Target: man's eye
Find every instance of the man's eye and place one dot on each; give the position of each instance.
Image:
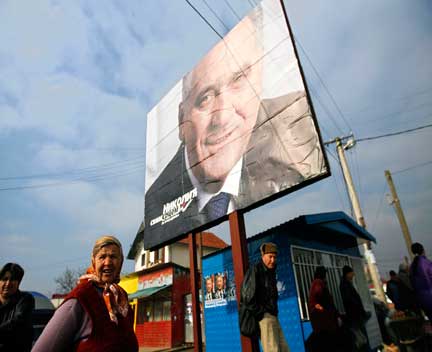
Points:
(205, 100)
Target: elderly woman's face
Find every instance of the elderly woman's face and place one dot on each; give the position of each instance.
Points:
(107, 263)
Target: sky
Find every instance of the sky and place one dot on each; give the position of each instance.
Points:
(77, 80)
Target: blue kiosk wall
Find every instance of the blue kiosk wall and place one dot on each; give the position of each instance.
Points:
(221, 315)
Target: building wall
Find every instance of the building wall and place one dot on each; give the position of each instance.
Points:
(129, 283)
(180, 254)
(154, 334)
(222, 320)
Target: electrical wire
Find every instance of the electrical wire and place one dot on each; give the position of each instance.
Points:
(412, 167)
(94, 178)
(216, 15)
(393, 133)
(232, 10)
(77, 172)
(204, 19)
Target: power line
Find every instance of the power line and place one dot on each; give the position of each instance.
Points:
(412, 167)
(393, 133)
(215, 14)
(94, 178)
(232, 10)
(204, 19)
(323, 84)
(77, 172)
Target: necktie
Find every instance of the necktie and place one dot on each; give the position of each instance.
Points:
(217, 206)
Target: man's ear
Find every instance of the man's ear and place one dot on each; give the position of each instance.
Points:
(181, 121)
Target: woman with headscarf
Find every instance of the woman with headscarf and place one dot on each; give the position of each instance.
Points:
(96, 315)
(421, 279)
(327, 335)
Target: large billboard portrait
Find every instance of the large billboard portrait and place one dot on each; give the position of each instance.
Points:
(236, 131)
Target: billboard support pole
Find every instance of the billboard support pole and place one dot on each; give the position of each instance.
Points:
(196, 309)
(240, 263)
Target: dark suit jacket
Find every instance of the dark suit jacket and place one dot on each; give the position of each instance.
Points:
(283, 151)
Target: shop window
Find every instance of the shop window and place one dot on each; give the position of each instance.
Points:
(305, 262)
(144, 311)
(166, 311)
(153, 310)
(158, 310)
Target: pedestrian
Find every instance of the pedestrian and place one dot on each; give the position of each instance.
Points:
(421, 279)
(408, 301)
(260, 296)
(327, 333)
(16, 308)
(96, 315)
(393, 289)
(355, 314)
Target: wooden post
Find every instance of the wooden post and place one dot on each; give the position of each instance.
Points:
(240, 264)
(196, 308)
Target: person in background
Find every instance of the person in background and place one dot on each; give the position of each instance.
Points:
(393, 289)
(327, 335)
(16, 308)
(355, 314)
(96, 315)
(260, 282)
(421, 279)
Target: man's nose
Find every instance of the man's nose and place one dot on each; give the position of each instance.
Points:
(223, 108)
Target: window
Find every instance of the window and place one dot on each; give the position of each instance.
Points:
(150, 310)
(166, 310)
(305, 262)
(143, 257)
(145, 311)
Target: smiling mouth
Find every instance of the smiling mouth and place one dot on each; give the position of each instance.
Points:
(218, 139)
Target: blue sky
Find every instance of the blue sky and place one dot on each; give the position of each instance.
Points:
(77, 80)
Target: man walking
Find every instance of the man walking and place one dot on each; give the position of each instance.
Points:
(260, 283)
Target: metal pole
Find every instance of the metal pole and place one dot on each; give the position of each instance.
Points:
(196, 309)
(399, 213)
(240, 263)
(369, 256)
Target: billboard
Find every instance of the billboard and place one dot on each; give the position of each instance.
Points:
(237, 131)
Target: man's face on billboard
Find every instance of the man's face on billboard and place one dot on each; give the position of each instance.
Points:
(220, 105)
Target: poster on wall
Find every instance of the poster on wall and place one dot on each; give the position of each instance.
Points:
(219, 289)
(237, 131)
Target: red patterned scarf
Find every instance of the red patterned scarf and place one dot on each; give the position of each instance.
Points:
(114, 297)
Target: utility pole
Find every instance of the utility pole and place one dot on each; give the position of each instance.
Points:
(369, 256)
(399, 213)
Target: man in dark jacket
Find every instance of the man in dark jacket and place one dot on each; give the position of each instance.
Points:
(392, 292)
(355, 314)
(260, 283)
(16, 307)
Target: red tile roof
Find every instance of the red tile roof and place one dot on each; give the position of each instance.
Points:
(209, 239)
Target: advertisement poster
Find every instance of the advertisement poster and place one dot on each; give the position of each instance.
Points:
(238, 129)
